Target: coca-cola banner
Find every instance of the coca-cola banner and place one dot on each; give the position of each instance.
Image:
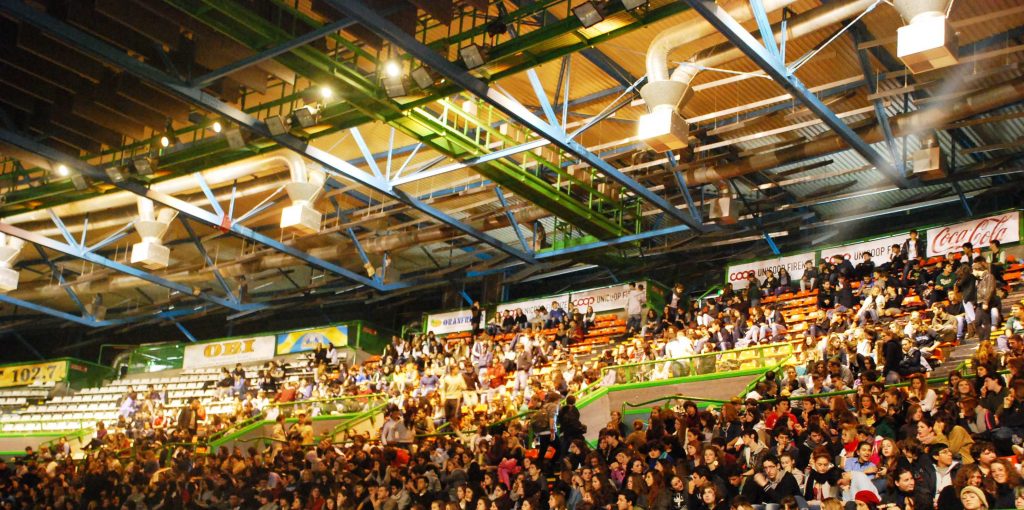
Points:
(737, 275)
(878, 248)
(1004, 227)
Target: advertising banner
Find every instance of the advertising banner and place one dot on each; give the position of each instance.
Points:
(603, 299)
(530, 305)
(29, 373)
(879, 249)
(228, 352)
(306, 340)
(1004, 227)
(453, 322)
(737, 275)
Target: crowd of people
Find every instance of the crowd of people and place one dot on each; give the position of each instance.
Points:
(482, 424)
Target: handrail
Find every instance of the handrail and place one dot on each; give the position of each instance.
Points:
(263, 413)
(709, 291)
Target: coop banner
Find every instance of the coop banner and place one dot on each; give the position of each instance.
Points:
(603, 299)
(228, 352)
(737, 274)
(879, 249)
(307, 339)
(453, 322)
(1003, 227)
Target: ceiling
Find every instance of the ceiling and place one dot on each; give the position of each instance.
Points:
(93, 85)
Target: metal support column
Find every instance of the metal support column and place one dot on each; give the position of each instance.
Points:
(511, 218)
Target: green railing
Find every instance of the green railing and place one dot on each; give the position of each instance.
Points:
(761, 356)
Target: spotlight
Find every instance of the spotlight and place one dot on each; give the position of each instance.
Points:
(305, 116)
(472, 56)
(632, 5)
(115, 174)
(235, 138)
(392, 69)
(422, 78)
(62, 170)
(143, 166)
(165, 141)
(276, 125)
(394, 86)
(217, 127)
(588, 13)
(326, 92)
(80, 182)
(496, 28)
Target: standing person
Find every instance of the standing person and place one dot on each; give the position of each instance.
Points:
(996, 259)
(523, 362)
(188, 418)
(452, 387)
(676, 302)
(986, 296)
(966, 286)
(913, 250)
(635, 300)
(476, 315)
(569, 426)
(809, 280)
(892, 354)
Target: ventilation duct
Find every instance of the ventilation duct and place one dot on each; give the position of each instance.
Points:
(307, 183)
(928, 40)
(151, 226)
(10, 247)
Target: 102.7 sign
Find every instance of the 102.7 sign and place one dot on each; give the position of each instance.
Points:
(23, 375)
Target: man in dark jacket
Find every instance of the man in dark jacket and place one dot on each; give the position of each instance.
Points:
(892, 354)
(771, 484)
(569, 425)
(844, 295)
(941, 473)
(986, 296)
(913, 250)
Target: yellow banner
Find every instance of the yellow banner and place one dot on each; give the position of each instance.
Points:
(306, 340)
(23, 375)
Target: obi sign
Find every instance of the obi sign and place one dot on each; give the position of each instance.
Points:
(1003, 227)
(228, 352)
(453, 322)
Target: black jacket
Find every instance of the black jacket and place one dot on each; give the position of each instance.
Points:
(892, 353)
(769, 494)
(921, 249)
(569, 424)
(844, 296)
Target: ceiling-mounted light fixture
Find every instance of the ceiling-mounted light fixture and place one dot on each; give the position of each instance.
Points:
(144, 166)
(305, 116)
(216, 126)
(326, 92)
(62, 170)
(394, 85)
(422, 77)
(80, 182)
(168, 139)
(588, 13)
(235, 138)
(276, 125)
(632, 5)
(472, 56)
(115, 174)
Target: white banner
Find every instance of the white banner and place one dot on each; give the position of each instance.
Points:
(226, 353)
(879, 249)
(453, 322)
(1004, 227)
(530, 305)
(737, 275)
(603, 299)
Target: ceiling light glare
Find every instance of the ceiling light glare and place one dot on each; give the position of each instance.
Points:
(63, 171)
(217, 127)
(392, 69)
(326, 92)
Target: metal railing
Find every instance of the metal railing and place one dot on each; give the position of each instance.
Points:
(760, 356)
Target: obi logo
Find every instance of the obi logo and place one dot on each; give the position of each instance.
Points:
(229, 348)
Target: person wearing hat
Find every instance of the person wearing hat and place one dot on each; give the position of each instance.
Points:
(972, 498)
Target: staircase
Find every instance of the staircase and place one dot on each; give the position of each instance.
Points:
(966, 349)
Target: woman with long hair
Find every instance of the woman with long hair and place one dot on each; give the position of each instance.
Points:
(1006, 479)
(656, 497)
(919, 392)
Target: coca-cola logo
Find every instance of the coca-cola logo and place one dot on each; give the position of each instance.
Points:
(978, 232)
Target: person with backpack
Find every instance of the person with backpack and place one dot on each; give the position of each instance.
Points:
(569, 426)
(542, 427)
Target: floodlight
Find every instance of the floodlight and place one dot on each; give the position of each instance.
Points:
(276, 125)
(422, 78)
(588, 14)
(472, 56)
